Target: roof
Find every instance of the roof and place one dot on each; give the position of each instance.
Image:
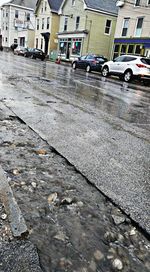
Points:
(23, 3)
(54, 5)
(102, 5)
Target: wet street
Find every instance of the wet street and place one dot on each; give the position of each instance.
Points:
(75, 148)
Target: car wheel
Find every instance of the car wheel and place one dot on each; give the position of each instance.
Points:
(32, 57)
(105, 71)
(88, 68)
(74, 65)
(127, 76)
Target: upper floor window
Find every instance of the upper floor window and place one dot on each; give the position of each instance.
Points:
(37, 24)
(16, 13)
(45, 6)
(65, 24)
(139, 24)
(6, 13)
(108, 27)
(137, 2)
(42, 23)
(148, 2)
(42, 8)
(47, 22)
(77, 22)
(28, 16)
(125, 27)
(73, 2)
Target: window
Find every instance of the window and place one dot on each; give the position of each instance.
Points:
(42, 8)
(45, 6)
(138, 30)
(65, 24)
(73, 2)
(42, 23)
(15, 41)
(129, 59)
(37, 24)
(130, 48)
(6, 39)
(6, 13)
(77, 22)
(76, 46)
(148, 3)
(16, 14)
(137, 3)
(28, 16)
(138, 49)
(47, 22)
(6, 27)
(108, 27)
(116, 50)
(125, 26)
(123, 48)
(36, 43)
(41, 43)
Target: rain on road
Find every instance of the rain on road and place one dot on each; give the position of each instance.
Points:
(101, 126)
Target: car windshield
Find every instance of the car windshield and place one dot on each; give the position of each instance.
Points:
(145, 61)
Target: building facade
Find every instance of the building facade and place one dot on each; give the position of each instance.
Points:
(17, 23)
(132, 34)
(86, 27)
(47, 25)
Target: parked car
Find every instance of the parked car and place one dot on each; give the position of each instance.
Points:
(128, 67)
(89, 62)
(20, 50)
(35, 53)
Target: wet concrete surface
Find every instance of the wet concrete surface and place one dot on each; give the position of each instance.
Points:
(100, 126)
(73, 226)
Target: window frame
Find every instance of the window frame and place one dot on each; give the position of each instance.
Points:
(123, 24)
(16, 13)
(108, 27)
(38, 24)
(65, 23)
(43, 22)
(138, 18)
(77, 23)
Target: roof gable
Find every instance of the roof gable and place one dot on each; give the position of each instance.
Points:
(24, 3)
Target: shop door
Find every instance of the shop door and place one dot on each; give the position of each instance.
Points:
(68, 50)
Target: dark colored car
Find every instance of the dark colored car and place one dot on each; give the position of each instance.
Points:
(35, 53)
(89, 63)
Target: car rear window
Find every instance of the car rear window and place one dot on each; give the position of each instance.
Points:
(145, 61)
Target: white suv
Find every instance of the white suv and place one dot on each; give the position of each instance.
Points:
(128, 67)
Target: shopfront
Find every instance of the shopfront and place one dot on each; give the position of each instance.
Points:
(70, 46)
(140, 46)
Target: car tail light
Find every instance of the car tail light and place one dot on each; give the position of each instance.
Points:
(141, 65)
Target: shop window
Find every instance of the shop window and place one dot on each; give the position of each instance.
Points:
(76, 47)
(125, 27)
(77, 22)
(62, 47)
(108, 27)
(138, 49)
(123, 48)
(47, 22)
(130, 48)
(116, 51)
(16, 13)
(65, 24)
(139, 24)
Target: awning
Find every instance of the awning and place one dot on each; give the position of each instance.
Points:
(45, 35)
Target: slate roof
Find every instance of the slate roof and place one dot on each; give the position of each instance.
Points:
(24, 3)
(102, 5)
(55, 4)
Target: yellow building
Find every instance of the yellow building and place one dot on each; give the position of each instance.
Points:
(86, 26)
(47, 25)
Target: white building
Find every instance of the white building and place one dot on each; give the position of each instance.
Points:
(18, 23)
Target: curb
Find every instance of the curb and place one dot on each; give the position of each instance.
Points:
(16, 219)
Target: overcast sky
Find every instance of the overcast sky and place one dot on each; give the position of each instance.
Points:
(3, 1)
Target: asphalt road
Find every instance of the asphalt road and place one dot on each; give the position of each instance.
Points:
(100, 125)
